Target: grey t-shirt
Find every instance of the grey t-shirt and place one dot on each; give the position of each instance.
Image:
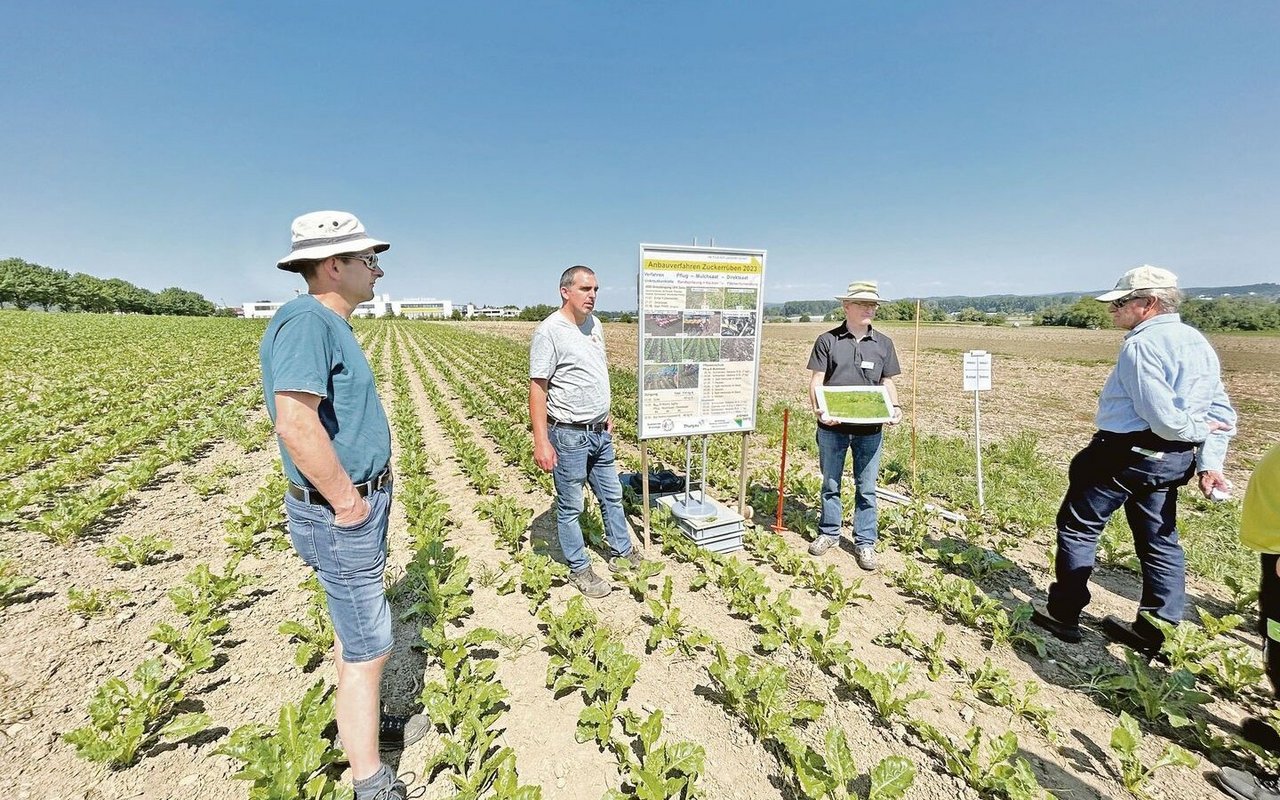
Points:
(572, 360)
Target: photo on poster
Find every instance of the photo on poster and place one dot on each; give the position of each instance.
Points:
(706, 299)
(740, 299)
(700, 348)
(738, 349)
(687, 376)
(663, 348)
(671, 376)
(702, 323)
(737, 323)
(663, 323)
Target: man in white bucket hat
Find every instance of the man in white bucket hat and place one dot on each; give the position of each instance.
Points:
(852, 354)
(1163, 417)
(335, 445)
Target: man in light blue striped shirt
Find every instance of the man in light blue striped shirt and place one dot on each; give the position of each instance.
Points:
(1163, 416)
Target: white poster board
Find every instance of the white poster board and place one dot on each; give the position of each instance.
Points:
(977, 371)
(701, 311)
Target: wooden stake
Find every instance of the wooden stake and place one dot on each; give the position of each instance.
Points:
(915, 380)
(782, 472)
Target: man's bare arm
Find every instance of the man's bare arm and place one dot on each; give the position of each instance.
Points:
(896, 411)
(298, 426)
(544, 455)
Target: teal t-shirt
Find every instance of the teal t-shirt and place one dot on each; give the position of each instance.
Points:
(310, 348)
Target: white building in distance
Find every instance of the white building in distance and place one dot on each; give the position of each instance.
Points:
(413, 308)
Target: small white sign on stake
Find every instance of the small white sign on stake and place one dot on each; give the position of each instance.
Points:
(977, 371)
(977, 378)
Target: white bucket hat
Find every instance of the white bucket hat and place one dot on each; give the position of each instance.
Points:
(1138, 278)
(862, 292)
(321, 234)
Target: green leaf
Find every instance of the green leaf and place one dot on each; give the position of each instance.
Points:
(1124, 739)
(891, 778)
(184, 725)
(808, 709)
(839, 760)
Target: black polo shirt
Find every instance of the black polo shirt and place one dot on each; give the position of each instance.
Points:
(846, 360)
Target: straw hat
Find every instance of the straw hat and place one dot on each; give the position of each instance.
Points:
(321, 234)
(862, 292)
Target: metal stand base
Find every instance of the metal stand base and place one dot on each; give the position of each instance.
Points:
(721, 531)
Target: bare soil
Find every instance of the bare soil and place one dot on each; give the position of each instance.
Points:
(1046, 379)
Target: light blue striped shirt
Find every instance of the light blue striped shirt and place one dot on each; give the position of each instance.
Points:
(1168, 379)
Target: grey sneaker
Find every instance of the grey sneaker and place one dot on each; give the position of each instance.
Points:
(822, 544)
(589, 583)
(391, 787)
(865, 555)
(396, 732)
(630, 561)
(395, 791)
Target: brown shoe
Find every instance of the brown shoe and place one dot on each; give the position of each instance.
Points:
(630, 561)
(589, 583)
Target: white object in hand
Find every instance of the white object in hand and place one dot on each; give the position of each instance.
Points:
(1220, 493)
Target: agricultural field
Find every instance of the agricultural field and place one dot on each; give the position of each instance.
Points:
(162, 641)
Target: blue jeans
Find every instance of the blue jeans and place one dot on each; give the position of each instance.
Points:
(349, 561)
(1109, 474)
(586, 457)
(832, 447)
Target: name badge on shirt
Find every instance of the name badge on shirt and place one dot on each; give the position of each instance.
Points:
(868, 365)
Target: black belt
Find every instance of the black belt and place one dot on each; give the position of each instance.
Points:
(592, 427)
(363, 489)
(1145, 438)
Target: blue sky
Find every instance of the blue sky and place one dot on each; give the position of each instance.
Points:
(942, 148)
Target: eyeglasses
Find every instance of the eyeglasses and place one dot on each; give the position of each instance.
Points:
(1116, 305)
(370, 261)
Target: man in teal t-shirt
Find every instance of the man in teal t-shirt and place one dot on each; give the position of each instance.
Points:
(336, 447)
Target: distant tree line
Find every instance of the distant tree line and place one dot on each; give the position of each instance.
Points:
(1233, 314)
(24, 285)
(1211, 314)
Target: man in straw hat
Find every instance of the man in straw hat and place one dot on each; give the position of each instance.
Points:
(1163, 417)
(852, 354)
(335, 445)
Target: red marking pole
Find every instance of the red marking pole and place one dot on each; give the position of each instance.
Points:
(782, 472)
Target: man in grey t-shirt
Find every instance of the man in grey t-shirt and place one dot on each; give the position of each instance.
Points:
(572, 432)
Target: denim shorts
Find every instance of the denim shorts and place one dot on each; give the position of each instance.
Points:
(349, 563)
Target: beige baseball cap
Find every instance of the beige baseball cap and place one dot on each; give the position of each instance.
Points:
(1138, 278)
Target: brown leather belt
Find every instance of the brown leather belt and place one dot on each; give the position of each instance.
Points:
(313, 497)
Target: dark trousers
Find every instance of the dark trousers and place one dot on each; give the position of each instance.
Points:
(1269, 617)
(1109, 474)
